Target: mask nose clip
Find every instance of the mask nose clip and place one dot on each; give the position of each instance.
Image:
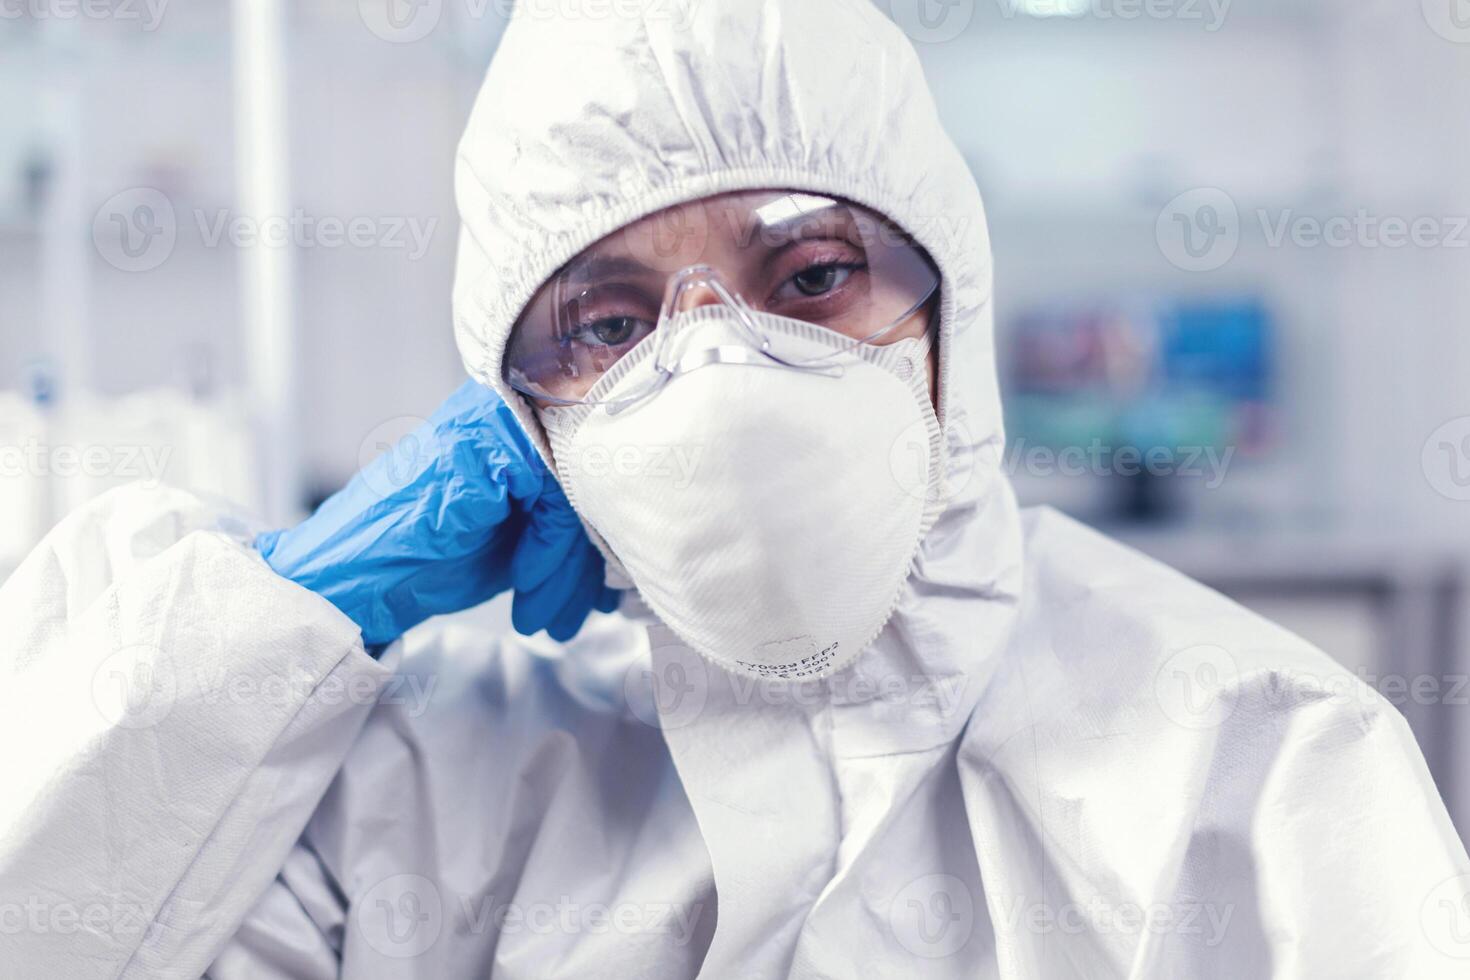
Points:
(757, 351)
(685, 287)
(697, 277)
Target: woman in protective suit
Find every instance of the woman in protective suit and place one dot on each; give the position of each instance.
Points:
(815, 699)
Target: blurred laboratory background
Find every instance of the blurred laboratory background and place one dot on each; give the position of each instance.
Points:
(1231, 250)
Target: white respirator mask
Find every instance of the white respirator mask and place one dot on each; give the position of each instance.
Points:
(768, 514)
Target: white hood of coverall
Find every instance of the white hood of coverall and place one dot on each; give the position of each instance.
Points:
(586, 125)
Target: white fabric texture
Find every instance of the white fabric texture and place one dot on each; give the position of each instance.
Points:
(171, 712)
(1022, 765)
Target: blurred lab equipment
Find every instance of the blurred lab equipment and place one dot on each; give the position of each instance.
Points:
(1150, 388)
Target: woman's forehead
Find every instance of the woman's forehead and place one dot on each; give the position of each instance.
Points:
(708, 228)
(744, 208)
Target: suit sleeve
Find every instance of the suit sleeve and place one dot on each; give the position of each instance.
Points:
(1322, 844)
(171, 712)
(1360, 870)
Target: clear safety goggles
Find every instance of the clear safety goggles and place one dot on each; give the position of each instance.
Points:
(819, 260)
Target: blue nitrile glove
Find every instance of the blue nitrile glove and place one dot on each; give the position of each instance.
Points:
(459, 511)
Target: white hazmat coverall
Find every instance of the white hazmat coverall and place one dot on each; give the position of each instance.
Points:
(1057, 760)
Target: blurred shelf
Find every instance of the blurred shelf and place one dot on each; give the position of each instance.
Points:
(1264, 552)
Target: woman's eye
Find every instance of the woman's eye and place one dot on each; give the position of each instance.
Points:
(818, 280)
(613, 331)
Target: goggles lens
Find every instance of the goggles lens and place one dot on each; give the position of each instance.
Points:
(820, 260)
